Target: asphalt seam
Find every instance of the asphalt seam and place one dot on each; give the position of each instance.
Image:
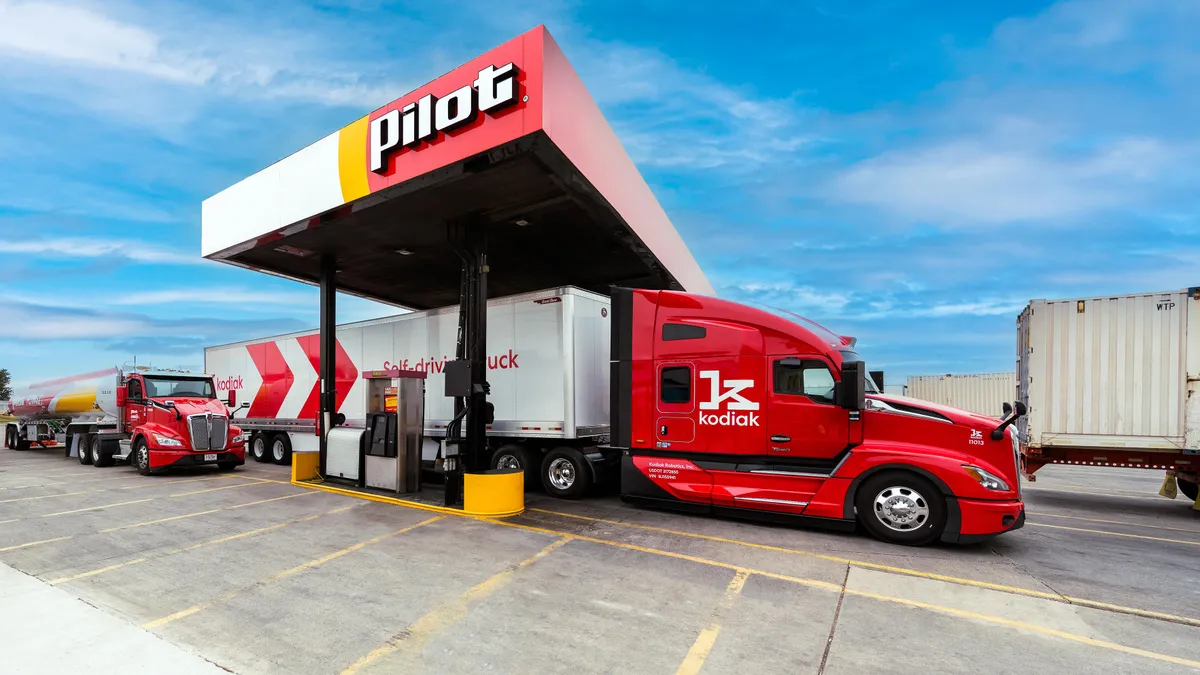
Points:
(837, 613)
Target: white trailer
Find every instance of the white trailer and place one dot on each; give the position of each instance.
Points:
(1112, 381)
(548, 370)
(982, 393)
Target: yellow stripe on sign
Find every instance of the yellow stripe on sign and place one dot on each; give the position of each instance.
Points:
(352, 160)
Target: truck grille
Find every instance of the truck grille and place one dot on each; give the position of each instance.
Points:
(208, 431)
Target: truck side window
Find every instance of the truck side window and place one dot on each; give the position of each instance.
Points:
(676, 385)
(135, 390)
(809, 378)
(681, 331)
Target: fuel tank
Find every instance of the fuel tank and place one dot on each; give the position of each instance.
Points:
(89, 397)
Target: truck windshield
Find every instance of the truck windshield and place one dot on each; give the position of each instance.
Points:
(179, 387)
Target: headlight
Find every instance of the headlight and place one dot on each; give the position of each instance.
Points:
(167, 442)
(987, 479)
(240, 438)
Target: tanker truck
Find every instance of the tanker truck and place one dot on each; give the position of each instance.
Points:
(153, 419)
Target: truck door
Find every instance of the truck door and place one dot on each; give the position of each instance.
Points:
(135, 404)
(802, 419)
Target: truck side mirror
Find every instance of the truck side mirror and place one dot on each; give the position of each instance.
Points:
(122, 396)
(851, 392)
(232, 402)
(1006, 409)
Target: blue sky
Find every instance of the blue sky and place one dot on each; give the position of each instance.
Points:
(911, 173)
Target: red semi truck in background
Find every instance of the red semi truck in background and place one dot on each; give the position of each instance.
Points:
(154, 419)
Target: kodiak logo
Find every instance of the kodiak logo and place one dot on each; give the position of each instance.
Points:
(733, 400)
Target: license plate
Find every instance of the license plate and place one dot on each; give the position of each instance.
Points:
(210, 458)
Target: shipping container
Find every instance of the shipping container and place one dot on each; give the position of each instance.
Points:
(1111, 381)
(984, 393)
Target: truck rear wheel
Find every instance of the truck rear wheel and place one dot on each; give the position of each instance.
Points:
(258, 446)
(565, 473)
(85, 448)
(515, 456)
(901, 508)
(281, 449)
(1188, 488)
(100, 455)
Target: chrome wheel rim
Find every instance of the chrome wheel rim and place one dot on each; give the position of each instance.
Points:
(902, 509)
(95, 451)
(258, 448)
(277, 450)
(144, 457)
(508, 462)
(561, 473)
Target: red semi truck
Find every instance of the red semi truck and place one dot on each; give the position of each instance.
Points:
(154, 419)
(722, 408)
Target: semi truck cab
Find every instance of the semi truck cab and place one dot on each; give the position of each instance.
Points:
(170, 419)
(723, 408)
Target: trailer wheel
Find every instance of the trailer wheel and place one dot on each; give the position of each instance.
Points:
(258, 446)
(281, 449)
(1188, 488)
(515, 456)
(565, 473)
(85, 448)
(10, 433)
(901, 508)
(140, 457)
(100, 456)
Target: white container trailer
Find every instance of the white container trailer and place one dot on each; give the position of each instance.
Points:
(1112, 381)
(548, 356)
(982, 393)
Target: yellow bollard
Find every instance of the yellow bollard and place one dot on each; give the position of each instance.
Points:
(305, 465)
(497, 493)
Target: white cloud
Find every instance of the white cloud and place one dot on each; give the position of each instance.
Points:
(986, 183)
(243, 298)
(86, 247)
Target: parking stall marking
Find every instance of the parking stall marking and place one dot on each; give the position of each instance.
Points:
(94, 508)
(702, 647)
(129, 477)
(414, 638)
(1078, 493)
(1042, 514)
(146, 484)
(34, 543)
(211, 542)
(256, 481)
(1016, 590)
(65, 494)
(157, 623)
(203, 513)
(1115, 534)
(815, 583)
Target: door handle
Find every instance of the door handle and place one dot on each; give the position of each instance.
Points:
(781, 439)
(662, 431)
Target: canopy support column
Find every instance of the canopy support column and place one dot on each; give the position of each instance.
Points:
(327, 401)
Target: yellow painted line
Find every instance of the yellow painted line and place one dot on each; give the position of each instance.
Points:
(1091, 492)
(1111, 522)
(64, 494)
(1016, 590)
(814, 583)
(94, 508)
(702, 647)
(388, 500)
(223, 487)
(211, 542)
(203, 513)
(102, 570)
(1116, 534)
(154, 483)
(414, 638)
(282, 575)
(34, 543)
(2, 522)
(1021, 625)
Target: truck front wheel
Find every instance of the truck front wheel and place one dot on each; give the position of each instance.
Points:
(901, 508)
(281, 449)
(258, 447)
(565, 473)
(1188, 488)
(140, 457)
